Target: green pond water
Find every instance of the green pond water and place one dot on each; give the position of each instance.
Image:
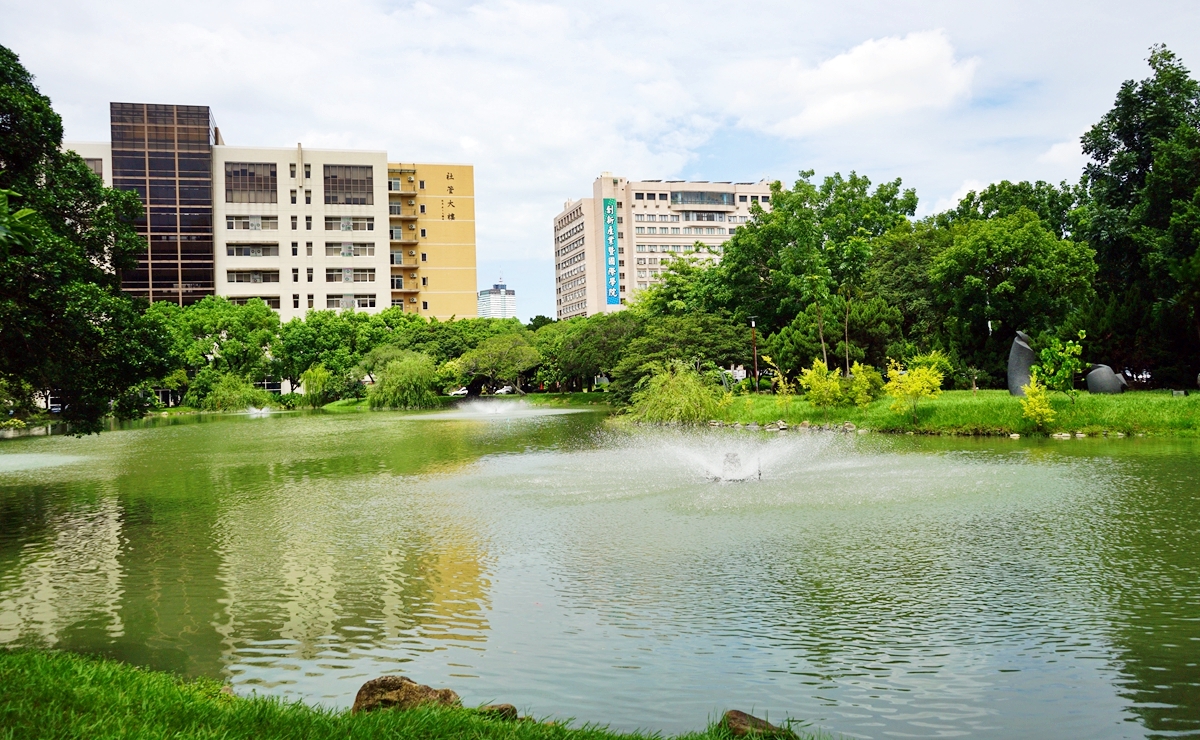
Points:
(873, 586)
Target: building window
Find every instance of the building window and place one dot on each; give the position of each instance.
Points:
(295, 300)
(422, 233)
(422, 208)
(252, 223)
(272, 301)
(397, 302)
(424, 257)
(308, 249)
(293, 223)
(424, 282)
(754, 198)
(310, 299)
(293, 192)
(310, 274)
(397, 282)
(422, 184)
(349, 249)
(639, 217)
(251, 182)
(252, 250)
(349, 223)
(639, 196)
(252, 276)
(424, 305)
(292, 170)
(639, 230)
(350, 275)
(308, 223)
(296, 277)
(348, 185)
(308, 197)
(307, 171)
(295, 249)
(741, 199)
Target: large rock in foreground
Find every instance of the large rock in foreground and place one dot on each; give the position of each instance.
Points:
(399, 692)
(741, 724)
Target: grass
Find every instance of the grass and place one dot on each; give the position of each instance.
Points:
(567, 399)
(52, 695)
(991, 413)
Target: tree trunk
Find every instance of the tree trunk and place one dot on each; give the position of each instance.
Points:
(821, 332)
(846, 326)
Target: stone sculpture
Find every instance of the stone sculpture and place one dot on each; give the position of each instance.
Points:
(1020, 358)
(1102, 379)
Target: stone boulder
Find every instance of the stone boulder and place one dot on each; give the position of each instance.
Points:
(741, 724)
(1021, 357)
(1102, 379)
(400, 692)
(500, 711)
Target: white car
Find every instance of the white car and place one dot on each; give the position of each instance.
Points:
(459, 392)
(505, 390)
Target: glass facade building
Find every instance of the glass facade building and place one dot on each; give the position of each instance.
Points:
(164, 153)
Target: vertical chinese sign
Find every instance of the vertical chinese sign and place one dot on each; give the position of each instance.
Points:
(611, 282)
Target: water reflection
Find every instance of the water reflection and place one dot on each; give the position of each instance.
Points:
(875, 586)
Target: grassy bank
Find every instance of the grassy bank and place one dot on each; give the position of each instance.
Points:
(992, 412)
(60, 695)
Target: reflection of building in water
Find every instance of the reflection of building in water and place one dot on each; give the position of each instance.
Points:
(70, 581)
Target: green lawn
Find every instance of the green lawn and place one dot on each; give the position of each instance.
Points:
(51, 695)
(992, 412)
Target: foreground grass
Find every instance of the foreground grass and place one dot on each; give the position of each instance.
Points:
(991, 412)
(60, 695)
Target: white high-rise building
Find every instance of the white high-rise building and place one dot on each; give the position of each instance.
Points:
(613, 244)
(497, 302)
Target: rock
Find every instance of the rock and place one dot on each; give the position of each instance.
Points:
(399, 692)
(1080, 435)
(863, 431)
(1102, 379)
(1120, 435)
(782, 425)
(772, 427)
(227, 690)
(741, 724)
(805, 424)
(500, 711)
(1014, 435)
(1020, 358)
(714, 423)
(1061, 435)
(753, 426)
(848, 427)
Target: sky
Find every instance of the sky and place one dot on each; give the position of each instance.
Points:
(541, 97)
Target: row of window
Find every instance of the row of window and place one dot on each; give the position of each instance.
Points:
(570, 247)
(575, 295)
(332, 249)
(257, 182)
(697, 230)
(659, 217)
(569, 233)
(577, 212)
(571, 261)
(701, 197)
(332, 275)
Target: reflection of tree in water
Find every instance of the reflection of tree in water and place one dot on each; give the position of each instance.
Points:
(1153, 554)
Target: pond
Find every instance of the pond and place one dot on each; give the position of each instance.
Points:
(874, 586)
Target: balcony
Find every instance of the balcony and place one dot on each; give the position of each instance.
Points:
(402, 187)
(402, 259)
(400, 210)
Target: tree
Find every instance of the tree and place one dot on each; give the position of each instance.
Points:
(220, 334)
(909, 387)
(1053, 205)
(707, 341)
(899, 276)
(405, 382)
(537, 322)
(1003, 275)
(65, 326)
(674, 393)
(822, 388)
(595, 345)
(502, 358)
(318, 385)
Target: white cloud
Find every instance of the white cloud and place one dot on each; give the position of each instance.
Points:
(951, 201)
(1067, 154)
(878, 78)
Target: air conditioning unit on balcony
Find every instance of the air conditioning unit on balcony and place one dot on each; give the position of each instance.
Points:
(412, 253)
(411, 202)
(412, 227)
(412, 299)
(410, 178)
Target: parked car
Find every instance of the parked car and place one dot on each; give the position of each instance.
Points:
(505, 390)
(459, 392)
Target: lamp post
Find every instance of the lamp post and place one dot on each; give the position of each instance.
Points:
(754, 348)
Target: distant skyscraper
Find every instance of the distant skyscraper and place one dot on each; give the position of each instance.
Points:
(498, 302)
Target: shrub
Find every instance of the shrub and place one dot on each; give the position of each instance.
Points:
(1036, 403)
(318, 386)
(865, 386)
(908, 387)
(822, 386)
(405, 382)
(234, 393)
(674, 393)
(136, 402)
(1060, 364)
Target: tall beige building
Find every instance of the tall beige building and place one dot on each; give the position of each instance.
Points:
(615, 243)
(432, 211)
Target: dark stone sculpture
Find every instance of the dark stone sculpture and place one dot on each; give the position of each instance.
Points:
(1102, 379)
(1020, 358)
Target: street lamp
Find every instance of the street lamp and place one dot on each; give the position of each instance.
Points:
(754, 348)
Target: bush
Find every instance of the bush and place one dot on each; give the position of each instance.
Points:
(136, 402)
(674, 393)
(235, 393)
(405, 382)
(865, 386)
(908, 387)
(200, 386)
(1035, 405)
(290, 400)
(822, 387)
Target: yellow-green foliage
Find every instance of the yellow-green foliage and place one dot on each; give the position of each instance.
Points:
(318, 385)
(674, 393)
(1036, 403)
(866, 385)
(406, 382)
(784, 388)
(908, 387)
(821, 385)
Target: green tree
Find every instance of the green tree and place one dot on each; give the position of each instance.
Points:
(217, 333)
(707, 341)
(232, 392)
(65, 326)
(899, 275)
(1003, 275)
(501, 359)
(909, 387)
(595, 345)
(822, 387)
(1035, 404)
(1053, 205)
(537, 322)
(319, 385)
(674, 393)
(1060, 364)
(407, 381)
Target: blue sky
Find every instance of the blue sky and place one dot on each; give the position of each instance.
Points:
(542, 96)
